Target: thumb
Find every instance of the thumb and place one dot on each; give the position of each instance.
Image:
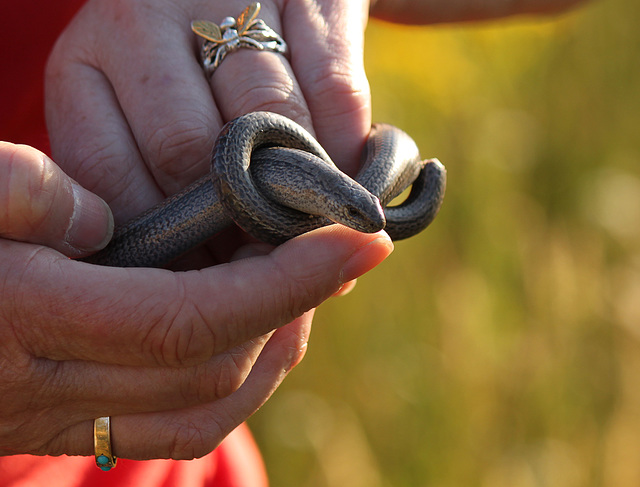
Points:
(42, 205)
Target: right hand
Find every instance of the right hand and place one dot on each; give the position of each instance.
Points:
(177, 359)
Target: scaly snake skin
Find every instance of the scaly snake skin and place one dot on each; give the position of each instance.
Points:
(273, 179)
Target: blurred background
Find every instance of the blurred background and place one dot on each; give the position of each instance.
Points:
(501, 346)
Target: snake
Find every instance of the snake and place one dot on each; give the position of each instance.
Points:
(271, 177)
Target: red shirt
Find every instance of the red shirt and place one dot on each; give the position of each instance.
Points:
(28, 30)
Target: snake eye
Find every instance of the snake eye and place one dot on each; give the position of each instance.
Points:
(354, 213)
(365, 219)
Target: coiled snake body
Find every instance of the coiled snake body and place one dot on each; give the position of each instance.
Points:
(272, 178)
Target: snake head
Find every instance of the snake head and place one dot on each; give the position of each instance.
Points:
(301, 181)
(357, 208)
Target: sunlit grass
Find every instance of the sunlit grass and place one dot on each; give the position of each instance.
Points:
(500, 347)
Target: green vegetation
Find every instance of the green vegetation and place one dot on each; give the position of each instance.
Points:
(502, 346)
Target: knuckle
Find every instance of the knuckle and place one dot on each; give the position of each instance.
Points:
(232, 372)
(274, 94)
(108, 174)
(175, 344)
(179, 337)
(186, 138)
(100, 170)
(193, 441)
(219, 379)
(30, 192)
(336, 89)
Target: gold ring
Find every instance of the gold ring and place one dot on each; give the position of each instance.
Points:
(105, 459)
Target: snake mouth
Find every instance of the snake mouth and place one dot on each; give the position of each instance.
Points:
(367, 218)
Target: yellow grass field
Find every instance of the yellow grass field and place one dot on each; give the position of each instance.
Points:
(501, 347)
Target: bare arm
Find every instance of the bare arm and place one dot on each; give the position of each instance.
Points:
(436, 11)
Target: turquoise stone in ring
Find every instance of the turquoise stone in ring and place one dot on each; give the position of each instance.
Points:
(103, 460)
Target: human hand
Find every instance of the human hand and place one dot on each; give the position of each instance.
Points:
(177, 359)
(133, 117)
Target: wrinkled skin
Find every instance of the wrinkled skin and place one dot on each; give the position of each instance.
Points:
(178, 359)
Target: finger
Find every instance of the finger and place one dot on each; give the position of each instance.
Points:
(166, 434)
(248, 80)
(40, 204)
(91, 138)
(161, 96)
(327, 58)
(165, 97)
(204, 428)
(157, 317)
(194, 432)
(93, 388)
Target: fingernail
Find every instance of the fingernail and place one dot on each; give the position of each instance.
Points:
(91, 225)
(366, 258)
